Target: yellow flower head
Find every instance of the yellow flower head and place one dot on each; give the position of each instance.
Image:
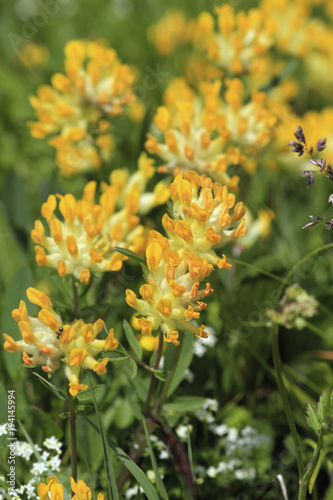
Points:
(83, 240)
(46, 341)
(168, 32)
(53, 490)
(208, 133)
(171, 298)
(205, 217)
(75, 109)
(33, 55)
(242, 38)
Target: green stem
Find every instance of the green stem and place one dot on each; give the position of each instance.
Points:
(284, 397)
(72, 421)
(75, 303)
(153, 379)
(124, 472)
(304, 481)
(169, 379)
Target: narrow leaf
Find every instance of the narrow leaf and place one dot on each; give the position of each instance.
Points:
(131, 255)
(112, 485)
(133, 368)
(59, 393)
(136, 472)
(132, 340)
(159, 483)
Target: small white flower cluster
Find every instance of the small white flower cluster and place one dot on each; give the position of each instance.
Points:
(49, 464)
(161, 447)
(232, 466)
(206, 413)
(201, 347)
(240, 448)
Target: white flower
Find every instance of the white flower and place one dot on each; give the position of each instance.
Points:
(219, 430)
(164, 455)
(182, 432)
(189, 376)
(52, 443)
(212, 471)
(211, 405)
(54, 463)
(39, 468)
(131, 492)
(3, 429)
(23, 450)
(199, 348)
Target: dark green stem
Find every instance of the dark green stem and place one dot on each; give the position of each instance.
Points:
(284, 397)
(304, 481)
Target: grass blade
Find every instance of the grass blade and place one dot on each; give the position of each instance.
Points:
(159, 483)
(136, 472)
(112, 485)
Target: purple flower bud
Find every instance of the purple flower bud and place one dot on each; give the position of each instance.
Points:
(321, 144)
(299, 134)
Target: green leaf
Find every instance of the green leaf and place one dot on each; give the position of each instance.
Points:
(112, 485)
(159, 483)
(132, 340)
(133, 368)
(315, 473)
(320, 418)
(131, 255)
(184, 360)
(185, 404)
(58, 392)
(160, 374)
(114, 356)
(86, 394)
(312, 418)
(136, 472)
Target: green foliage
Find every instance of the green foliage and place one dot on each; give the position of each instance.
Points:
(320, 417)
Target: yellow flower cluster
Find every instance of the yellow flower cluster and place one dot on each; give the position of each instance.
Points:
(74, 111)
(171, 298)
(53, 490)
(208, 133)
(201, 220)
(48, 342)
(241, 42)
(84, 241)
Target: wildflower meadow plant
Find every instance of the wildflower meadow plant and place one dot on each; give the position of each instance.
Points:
(178, 322)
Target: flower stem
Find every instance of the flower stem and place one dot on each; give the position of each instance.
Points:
(304, 481)
(75, 303)
(169, 379)
(72, 421)
(285, 400)
(135, 456)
